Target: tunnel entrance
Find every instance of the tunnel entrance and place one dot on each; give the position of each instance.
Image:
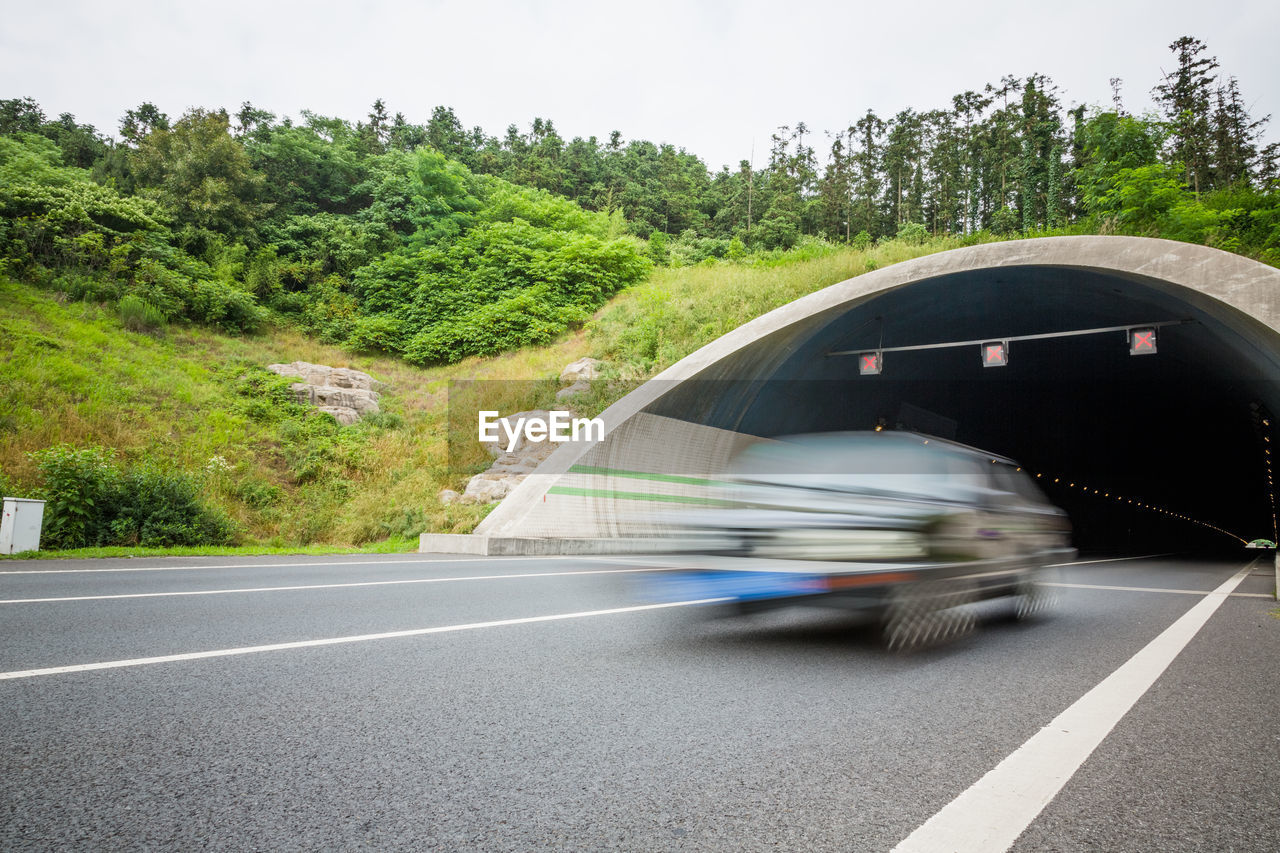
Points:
(1186, 430)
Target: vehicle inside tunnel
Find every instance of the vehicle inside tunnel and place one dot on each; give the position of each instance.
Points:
(1164, 450)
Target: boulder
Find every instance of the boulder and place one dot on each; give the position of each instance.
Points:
(583, 368)
(339, 391)
(341, 414)
(573, 390)
(482, 490)
(349, 398)
(509, 468)
(449, 496)
(499, 445)
(323, 375)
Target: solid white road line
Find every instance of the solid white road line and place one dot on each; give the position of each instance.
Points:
(990, 815)
(1111, 560)
(1140, 589)
(600, 558)
(315, 586)
(334, 641)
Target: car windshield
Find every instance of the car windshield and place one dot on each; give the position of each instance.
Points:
(861, 463)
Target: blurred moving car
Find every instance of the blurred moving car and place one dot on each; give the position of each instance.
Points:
(908, 526)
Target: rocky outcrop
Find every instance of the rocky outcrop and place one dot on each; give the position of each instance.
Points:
(342, 392)
(583, 368)
(510, 467)
(579, 374)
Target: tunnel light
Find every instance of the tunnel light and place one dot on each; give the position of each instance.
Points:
(870, 363)
(995, 353)
(1142, 341)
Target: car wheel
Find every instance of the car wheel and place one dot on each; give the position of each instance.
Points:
(1033, 597)
(924, 614)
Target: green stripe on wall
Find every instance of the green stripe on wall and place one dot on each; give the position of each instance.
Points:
(632, 496)
(644, 475)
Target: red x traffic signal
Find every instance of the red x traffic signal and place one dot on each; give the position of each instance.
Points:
(1142, 341)
(870, 363)
(995, 354)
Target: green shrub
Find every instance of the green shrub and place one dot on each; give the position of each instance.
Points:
(92, 502)
(912, 233)
(263, 396)
(1005, 221)
(381, 332)
(310, 447)
(258, 493)
(778, 231)
(406, 522)
(80, 487)
(158, 508)
(138, 315)
(383, 420)
(658, 249)
(528, 318)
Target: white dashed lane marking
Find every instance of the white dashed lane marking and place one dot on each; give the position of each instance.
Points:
(315, 586)
(419, 561)
(334, 641)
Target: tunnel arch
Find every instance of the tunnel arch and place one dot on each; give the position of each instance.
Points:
(1179, 428)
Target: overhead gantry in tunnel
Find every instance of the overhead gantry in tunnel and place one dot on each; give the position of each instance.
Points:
(1165, 449)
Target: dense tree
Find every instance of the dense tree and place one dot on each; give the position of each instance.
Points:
(1185, 97)
(20, 115)
(139, 123)
(80, 144)
(1235, 135)
(444, 132)
(202, 176)
(305, 172)
(904, 147)
(867, 166)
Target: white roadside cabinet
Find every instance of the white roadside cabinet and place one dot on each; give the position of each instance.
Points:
(20, 525)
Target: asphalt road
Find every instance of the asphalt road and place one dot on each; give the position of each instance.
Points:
(633, 729)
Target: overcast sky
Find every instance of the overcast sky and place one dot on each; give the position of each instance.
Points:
(713, 77)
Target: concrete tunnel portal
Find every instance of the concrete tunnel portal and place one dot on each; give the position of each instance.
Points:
(1187, 429)
(1180, 429)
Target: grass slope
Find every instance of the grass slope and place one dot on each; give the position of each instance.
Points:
(186, 398)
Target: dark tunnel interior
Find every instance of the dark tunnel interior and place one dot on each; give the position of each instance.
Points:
(1186, 429)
